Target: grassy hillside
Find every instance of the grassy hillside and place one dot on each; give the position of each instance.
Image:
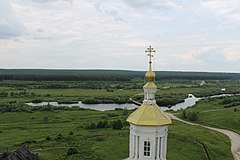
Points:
(222, 112)
(65, 130)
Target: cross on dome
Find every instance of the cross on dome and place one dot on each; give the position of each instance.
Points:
(150, 50)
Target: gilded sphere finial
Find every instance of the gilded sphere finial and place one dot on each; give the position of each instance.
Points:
(150, 76)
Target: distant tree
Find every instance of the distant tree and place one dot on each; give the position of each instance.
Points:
(92, 126)
(37, 101)
(71, 133)
(105, 124)
(48, 138)
(100, 124)
(45, 119)
(184, 113)
(12, 94)
(117, 124)
(192, 116)
(59, 136)
(125, 112)
(71, 151)
(3, 94)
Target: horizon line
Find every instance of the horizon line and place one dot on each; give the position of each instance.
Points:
(119, 69)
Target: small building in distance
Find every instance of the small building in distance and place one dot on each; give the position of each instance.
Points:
(22, 153)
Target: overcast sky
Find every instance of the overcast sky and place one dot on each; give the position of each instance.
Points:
(188, 35)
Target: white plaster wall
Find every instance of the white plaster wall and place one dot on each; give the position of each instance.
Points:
(148, 133)
(149, 96)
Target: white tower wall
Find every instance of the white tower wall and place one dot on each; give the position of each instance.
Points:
(149, 95)
(139, 135)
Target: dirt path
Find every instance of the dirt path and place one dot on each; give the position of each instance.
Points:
(234, 137)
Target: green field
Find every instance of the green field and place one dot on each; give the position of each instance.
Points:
(16, 128)
(212, 112)
(169, 92)
(51, 131)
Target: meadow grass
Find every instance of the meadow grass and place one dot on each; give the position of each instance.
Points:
(108, 144)
(211, 112)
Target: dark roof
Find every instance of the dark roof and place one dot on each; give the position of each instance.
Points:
(22, 153)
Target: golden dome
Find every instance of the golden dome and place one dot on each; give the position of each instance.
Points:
(150, 76)
(149, 115)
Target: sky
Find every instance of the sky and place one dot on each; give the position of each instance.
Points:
(188, 35)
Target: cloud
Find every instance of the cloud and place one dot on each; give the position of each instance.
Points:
(10, 26)
(152, 4)
(109, 9)
(47, 1)
(115, 34)
(231, 55)
(210, 56)
(114, 14)
(229, 10)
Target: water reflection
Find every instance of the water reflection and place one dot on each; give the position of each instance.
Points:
(188, 102)
(100, 107)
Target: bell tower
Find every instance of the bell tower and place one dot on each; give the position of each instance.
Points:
(148, 124)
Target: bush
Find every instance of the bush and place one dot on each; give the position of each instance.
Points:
(117, 124)
(59, 136)
(3, 94)
(192, 116)
(37, 101)
(71, 133)
(125, 112)
(112, 115)
(45, 119)
(29, 142)
(104, 116)
(71, 151)
(100, 124)
(48, 138)
(184, 113)
(91, 126)
(105, 124)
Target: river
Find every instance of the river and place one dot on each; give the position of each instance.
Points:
(188, 102)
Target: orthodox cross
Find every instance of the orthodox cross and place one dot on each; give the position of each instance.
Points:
(150, 50)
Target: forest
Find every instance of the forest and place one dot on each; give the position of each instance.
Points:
(107, 75)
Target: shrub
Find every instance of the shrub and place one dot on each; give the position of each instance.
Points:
(59, 136)
(105, 124)
(71, 151)
(184, 113)
(192, 116)
(91, 126)
(29, 142)
(37, 101)
(112, 115)
(48, 138)
(117, 124)
(104, 116)
(125, 112)
(45, 119)
(100, 124)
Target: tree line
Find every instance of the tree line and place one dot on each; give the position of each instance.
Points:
(106, 75)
